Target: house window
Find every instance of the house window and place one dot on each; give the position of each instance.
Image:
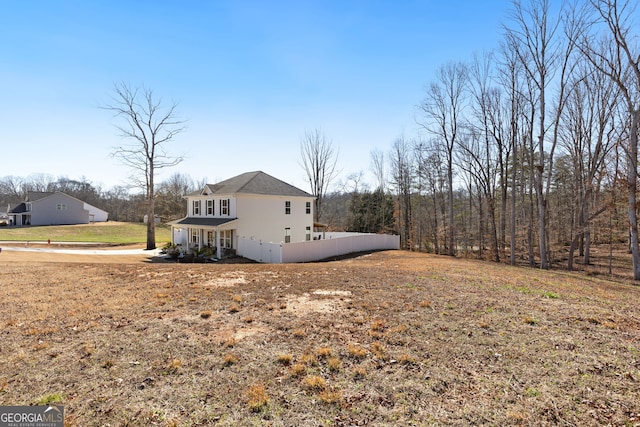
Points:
(195, 236)
(224, 207)
(308, 235)
(209, 207)
(287, 235)
(308, 208)
(211, 238)
(287, 207)
(196, 207)
(226, 239)
(61, 206)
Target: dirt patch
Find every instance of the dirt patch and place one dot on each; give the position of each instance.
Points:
(390, 338)
(302, 305)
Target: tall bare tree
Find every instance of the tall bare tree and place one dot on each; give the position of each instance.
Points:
(547, 59)
(402, 173)
(150, 126)
(618, 57)
(319, 160)
(442, 108)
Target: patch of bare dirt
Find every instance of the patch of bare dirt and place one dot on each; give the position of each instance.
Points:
(390, 338)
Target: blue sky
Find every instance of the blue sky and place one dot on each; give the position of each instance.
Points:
(249, 76)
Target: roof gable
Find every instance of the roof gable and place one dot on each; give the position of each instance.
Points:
(256, 182)
(32, 196)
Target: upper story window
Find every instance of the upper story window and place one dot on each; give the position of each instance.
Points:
(224, 207)
(287, 207)
(209, 207)
(61, 206)
(196, 207)
(308, 208)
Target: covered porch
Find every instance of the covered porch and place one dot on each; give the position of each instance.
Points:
(199, 234)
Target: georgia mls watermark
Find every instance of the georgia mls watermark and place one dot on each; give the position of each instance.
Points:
(32, 416)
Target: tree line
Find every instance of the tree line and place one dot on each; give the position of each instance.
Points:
(528, 152)
(121, 203)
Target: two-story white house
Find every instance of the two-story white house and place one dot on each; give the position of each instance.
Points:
(253, 205)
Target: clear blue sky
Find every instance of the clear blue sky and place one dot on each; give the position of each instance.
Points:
(250, 77)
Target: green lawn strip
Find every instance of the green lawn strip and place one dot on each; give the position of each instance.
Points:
(116, 233)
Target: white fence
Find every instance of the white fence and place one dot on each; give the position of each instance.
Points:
(329, 245)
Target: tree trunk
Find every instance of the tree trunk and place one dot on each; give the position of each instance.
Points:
(151, 211)
(514, 179)
(572, 250)
(587, 229)
(542, 215)
(495, 250)
(452, 250)
(632, 171)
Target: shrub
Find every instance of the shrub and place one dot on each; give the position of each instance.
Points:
(299, 333)
(330, 396)
(314, 382)
(257, 398)
(334, 364)
(359, 372)
(323, 352)
(229, 359)
(356, 351)
(298, 369)
(285, 359)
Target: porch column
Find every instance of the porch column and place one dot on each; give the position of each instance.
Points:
(218, 249)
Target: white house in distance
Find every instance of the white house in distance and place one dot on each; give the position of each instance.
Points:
(54, 208)
(253, 206)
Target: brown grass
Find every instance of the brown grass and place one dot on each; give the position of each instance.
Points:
(122, 341)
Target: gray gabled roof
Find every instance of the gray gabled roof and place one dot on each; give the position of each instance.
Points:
(256, 182)
(211, 222)
(32, 196)
(22, 207)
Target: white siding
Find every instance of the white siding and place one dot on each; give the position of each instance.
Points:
(57, 209)
(263, 218)
(216, 206)
(95, 214)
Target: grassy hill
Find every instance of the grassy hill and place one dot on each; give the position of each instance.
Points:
(107, 232)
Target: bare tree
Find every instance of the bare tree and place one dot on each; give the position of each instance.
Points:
(402, 172)
(511, 77)
(170, 195)
(442, 110)
(618, 57)
(587, 136)
(150, 126)
(319, 161)
(378, 168)
(546, 57)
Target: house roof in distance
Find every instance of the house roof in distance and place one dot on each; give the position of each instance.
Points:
(32, 196)
(256, 182)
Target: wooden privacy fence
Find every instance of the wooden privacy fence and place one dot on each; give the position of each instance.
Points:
(328, 245)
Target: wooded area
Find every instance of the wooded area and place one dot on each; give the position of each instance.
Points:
(526, 153)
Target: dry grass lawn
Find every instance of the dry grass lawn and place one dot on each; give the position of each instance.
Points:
(390, 338)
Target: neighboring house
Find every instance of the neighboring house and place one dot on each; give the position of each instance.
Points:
(252, 206)
(54, 209)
